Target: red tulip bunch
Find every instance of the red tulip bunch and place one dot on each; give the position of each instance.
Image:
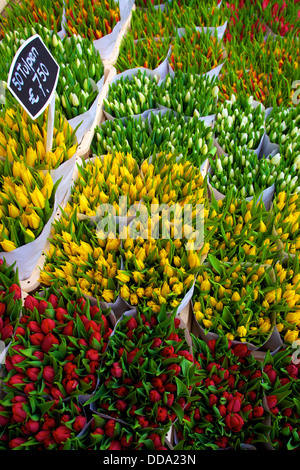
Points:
(281, 380)
(109, 434)
(39, 424)
(58, 346)
(148, 371)
(10, 301)
(281, 16)
(226, 408)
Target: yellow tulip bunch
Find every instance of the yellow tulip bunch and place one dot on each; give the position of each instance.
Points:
(22, 139)
(288, 321)
(169, 180)
(26, 203)
(239, 228)
(236, 300)
(286, 208)
(103, 180)
(77, 258)
(156, 271)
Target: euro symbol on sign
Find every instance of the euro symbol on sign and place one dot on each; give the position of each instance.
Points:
(32, 99)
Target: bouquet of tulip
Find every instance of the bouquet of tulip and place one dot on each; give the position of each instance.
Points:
(239, 123)
(47, 13)
(196, 52)
(191, 138)
(171, 179)
(151, 23)
(288, 321)
(110, 434)
(282, 125)
(26, 203)
(196, 13)
(131, 95)
(104, 181)
(282, 58)
(164, 132)
(280, 381)
(286, 209)
(243, 25)
(240, 230)
(149, 53)
(10, 301)
(236, 300)
(131, 135)
(243, 172)
(244, 80)
(23, 142)
(281, 17)
(58, 345)
(81, 67)
(40, 423)
(156, 272)
(78, 257)
(91, 20)
(148, 372)
(226, 409)
(188, 94)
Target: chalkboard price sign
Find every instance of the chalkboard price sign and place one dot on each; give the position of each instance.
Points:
(33, 76)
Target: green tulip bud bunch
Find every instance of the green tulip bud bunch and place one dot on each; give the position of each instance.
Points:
(238, 122)
(191, 138)
(188, 94)
(243, 172)
(131, 95)
(283, 125)
(81, 67)
(288, 180)
(128, 136)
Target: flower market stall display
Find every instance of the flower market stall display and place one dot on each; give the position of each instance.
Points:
(145, 381)
(10, 302)
(58, 345)
(164, 310)
(40, 423)
(162, 131)
(227, 409)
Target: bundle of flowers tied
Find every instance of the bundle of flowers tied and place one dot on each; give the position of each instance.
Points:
(227, 409)
(57, 346)
(148, 371)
